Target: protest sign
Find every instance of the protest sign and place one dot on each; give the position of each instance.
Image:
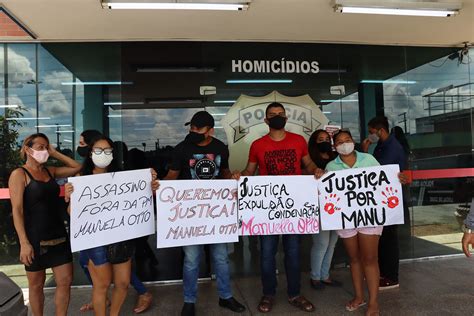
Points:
(196, 212)
(361, 197)
(274, 205)
(111, 207)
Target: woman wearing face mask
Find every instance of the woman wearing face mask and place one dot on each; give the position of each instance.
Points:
(110, 263)
(320, 151)
(38, 221)
(84, 140)
(361, 243)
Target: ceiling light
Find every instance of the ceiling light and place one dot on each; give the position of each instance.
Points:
(173, 101)
(261, 81)
(225, 101)
(340, 100)
(226, 5)
(60, 132)
(8, 106)
(27, 118)
(95, 83)
(55, 125)
(389, 81)
(175, 69)
(407, 7)
(122, 103)
(326, 112)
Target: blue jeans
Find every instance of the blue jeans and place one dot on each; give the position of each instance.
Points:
(134, 280)
(220, 262)
(321, 253)
(291, 248)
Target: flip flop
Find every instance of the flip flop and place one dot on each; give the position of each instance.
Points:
(351, 308)
(87, 307)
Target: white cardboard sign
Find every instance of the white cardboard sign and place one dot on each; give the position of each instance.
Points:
(196, 212)
(275, 205)
(111, 207)
(361, 197)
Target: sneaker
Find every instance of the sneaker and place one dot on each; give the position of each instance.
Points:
(232, 304)
(188, 309)
(386, 284)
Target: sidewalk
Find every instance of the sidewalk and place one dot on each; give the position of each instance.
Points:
(435, 287)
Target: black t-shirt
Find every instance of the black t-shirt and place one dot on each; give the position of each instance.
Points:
(200, 162)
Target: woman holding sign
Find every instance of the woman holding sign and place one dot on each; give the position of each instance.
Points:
(110, 263)
(39, 223)
(361, 243)
(321, 153)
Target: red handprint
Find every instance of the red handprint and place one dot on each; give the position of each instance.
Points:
(392, 200)
(330, 206)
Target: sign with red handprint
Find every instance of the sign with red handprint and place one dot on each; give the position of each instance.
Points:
(361, 197)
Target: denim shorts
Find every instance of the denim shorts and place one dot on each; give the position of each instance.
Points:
(97, 255)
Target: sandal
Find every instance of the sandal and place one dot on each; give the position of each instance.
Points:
(351, 306)
(87, 307)
(317, 284)
(302, 303)
(330, 282)
(143, 303)
(266, 304)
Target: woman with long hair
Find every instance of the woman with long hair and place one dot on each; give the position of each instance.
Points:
(361, 243)
(38, 221)
(322, 250)
(109, 263)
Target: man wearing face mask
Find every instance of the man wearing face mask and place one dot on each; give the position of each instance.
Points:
(279, 153)
(387, 151)
(201, 156)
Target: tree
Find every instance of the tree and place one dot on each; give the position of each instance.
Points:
(9, 160)
(9, 149)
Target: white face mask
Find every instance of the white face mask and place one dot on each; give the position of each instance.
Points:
(102, 160)
(41, 156)
(373, 138)
(345, 148)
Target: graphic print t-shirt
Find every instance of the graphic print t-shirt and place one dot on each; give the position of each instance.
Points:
(200, 162)
(279, 157)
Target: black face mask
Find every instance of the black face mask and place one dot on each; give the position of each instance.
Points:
(277, 122)
(82, 151)
(195, 138)
(324, 147)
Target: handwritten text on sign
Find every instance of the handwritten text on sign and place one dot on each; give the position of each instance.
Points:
(111, 207)
(198, 212)
(361, 197)
(274, 205)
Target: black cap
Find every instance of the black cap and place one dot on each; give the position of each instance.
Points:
(201, 119)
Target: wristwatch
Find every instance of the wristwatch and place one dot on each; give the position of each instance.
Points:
(467, 230)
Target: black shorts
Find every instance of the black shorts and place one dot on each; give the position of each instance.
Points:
(50, 257)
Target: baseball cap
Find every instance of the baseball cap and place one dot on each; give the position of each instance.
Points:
(201, 119)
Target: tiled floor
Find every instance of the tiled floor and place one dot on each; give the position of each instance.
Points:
(437, 287)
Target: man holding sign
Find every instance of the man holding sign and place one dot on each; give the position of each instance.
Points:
(279, 153)
(201, 156)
